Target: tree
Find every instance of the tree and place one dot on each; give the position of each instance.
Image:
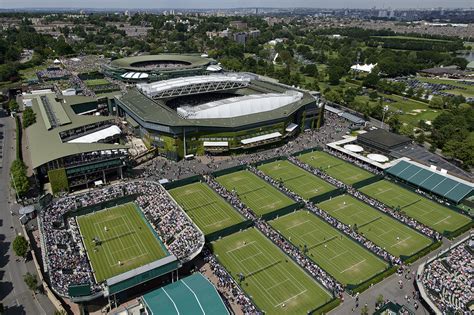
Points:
(31, 281)
(29, 117)
(371, 79)
(364, 310)
(13, 106)
(379, 300)
(20, 246)
(19, 178)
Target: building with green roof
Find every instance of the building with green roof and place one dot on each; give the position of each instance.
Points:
(216, 113)
(150, 68)
(64, 144)
(190, 295)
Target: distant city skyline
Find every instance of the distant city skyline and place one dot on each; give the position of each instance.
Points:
(209, 4)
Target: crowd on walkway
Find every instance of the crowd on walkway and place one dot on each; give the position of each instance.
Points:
(228, 286)
(449, 280)
(368, 200)
(346, 229)
(64, 254)
(316, 272)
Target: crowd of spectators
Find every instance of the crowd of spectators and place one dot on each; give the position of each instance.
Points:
(228, 286)
(449, 280)
(55, 73)
(346, 229)
(294, 252)
(64, 255)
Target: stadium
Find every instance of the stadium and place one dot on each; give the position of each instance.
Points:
(216, 113)
(109, 240)
(150, 68)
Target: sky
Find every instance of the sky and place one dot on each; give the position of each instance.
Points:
(394, 4)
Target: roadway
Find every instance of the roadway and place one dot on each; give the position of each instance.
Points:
(14, 294)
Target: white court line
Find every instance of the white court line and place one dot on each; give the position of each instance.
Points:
(405, 239)
(297, 224)
(339, 255)
(249, 257)
(353, 266)
(239, 247)
(343, 207)
(275, 285)
(290, 298)
(382, 191)
(449, 216)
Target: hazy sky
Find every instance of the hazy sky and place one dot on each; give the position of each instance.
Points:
(236, 3)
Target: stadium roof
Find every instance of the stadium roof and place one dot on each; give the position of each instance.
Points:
(185, 83)
(98, 135)
(240, 106)
(190, 295)
(189, 61)
(437, 182)
(148, 110)
(46, 145)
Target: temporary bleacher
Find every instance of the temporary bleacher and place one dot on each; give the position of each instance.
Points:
(432, 180)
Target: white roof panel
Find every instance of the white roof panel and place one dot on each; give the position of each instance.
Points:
(216, 143)
(261, 138)
(98, 135)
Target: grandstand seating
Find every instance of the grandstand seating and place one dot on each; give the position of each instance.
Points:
(431, 181)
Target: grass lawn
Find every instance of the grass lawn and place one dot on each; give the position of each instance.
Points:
(337, 168)
(422, 209)
(95, 82)
(273, 281)
(397, 238)
(127, 241)
(254, 192)
(343, 258)
(296, 179)
(205, 207)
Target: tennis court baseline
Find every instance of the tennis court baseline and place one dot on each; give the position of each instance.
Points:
(430, 213)
(273, 281)
(118, 239)
(254, 192)
(205, 207)
(335, 167)
(296, 179)
(397, 238)
(346, 261)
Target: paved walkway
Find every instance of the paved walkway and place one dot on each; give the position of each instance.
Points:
(14, 294)
(390, 288)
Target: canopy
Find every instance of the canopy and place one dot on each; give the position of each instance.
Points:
(216, 143)
(378, 157)
(291, 127)
(261, 138)
(98, 135)
(354, 148)
(27, 209)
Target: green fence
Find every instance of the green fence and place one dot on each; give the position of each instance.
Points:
(325, 308)
(229, 170)
(355, 288)
(101, 206)
(423, 252)
(328, 195)
(229, 230)
(307, 151)
(283, 211)
(182, 182)
(367, 181)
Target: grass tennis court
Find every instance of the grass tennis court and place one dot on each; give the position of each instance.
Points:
(345, 260)
(418, 207)
(273, 281)
(254, 192)
(205, 207)
(296, 179)
(126, 240)
(95, 82)
(397, 238)
(337, 168)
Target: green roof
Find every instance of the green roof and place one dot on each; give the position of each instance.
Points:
(190, 295)
(470, 65)
(443, 185)
(46, 145)
(155, 111)
(192, 60)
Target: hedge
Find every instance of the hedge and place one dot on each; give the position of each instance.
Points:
(58, 180)
(373, 280)
(325, 308)
(421, 253)
(19, 156)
